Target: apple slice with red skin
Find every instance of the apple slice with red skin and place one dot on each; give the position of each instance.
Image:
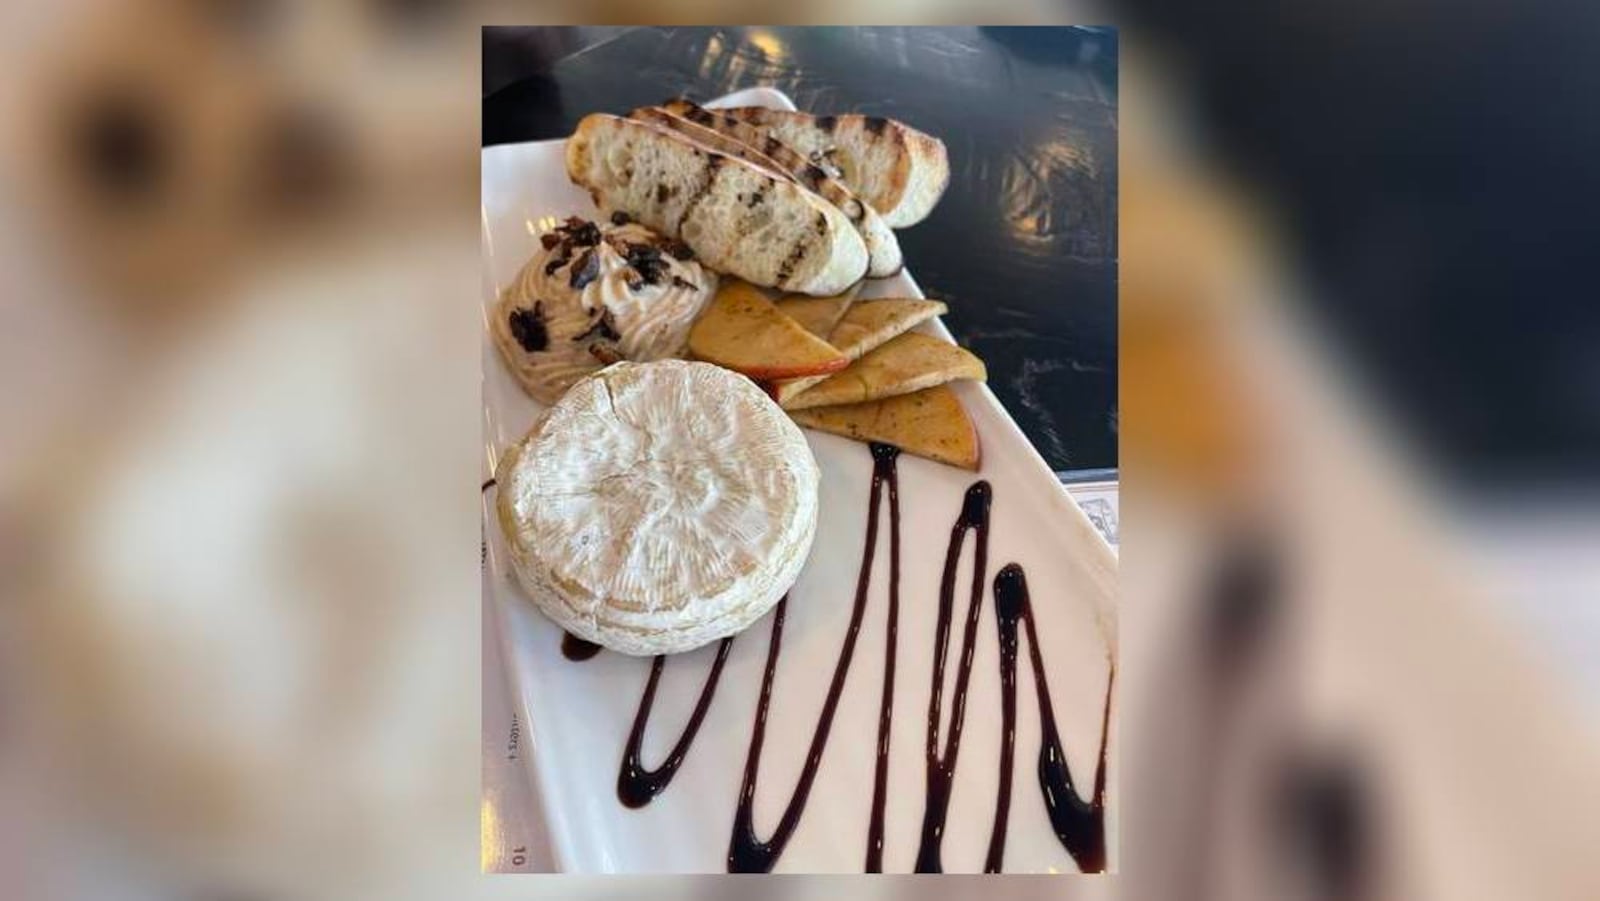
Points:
(740, 329)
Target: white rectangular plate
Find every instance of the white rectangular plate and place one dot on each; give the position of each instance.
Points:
(578, 714)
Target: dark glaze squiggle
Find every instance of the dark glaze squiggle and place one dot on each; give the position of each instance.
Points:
(1079, 824)
(941, 769)
(748, 853)
(575, 648)
(880, 778)
(637, 785)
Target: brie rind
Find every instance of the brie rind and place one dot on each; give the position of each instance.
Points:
(659, 506)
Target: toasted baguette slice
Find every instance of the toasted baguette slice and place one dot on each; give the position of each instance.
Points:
(736, 217)
(818, 315)
(867, 324)
(899, 171)
(711, 138)
(929, 423)
(901, 365)
(742, 330)
(883, 249)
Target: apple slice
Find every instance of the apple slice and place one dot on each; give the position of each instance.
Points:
(742, 330)
(869, 323)
(903, 364)
(928, 423)
(818, 315)
(865, 325)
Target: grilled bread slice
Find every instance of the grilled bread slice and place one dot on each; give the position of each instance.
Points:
(899, 171)
(735, 216)
(883, 248)
(722, 143)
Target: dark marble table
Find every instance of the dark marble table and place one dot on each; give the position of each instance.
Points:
(1023, 247)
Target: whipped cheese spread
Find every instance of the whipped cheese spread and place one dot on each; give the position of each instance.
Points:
(595, 294)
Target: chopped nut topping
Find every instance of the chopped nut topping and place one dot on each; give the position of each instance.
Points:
(527, 326)
(586, 270)
(604, 326)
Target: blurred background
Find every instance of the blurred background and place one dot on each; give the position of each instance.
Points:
(1356, 418)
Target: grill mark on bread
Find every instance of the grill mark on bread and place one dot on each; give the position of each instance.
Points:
(802, 247)
(806, 260)
(702, 129)
(875, 124)
(797, 253)
(713, 166)
(792, 163)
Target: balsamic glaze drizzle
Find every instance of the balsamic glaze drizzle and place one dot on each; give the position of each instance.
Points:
(1078, 824)
(636, 785)
(747, 853)
(575, 648)
(483, 543)
(941, 769)
(880, 778)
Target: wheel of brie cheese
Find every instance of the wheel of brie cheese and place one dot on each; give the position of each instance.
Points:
(659, 506)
